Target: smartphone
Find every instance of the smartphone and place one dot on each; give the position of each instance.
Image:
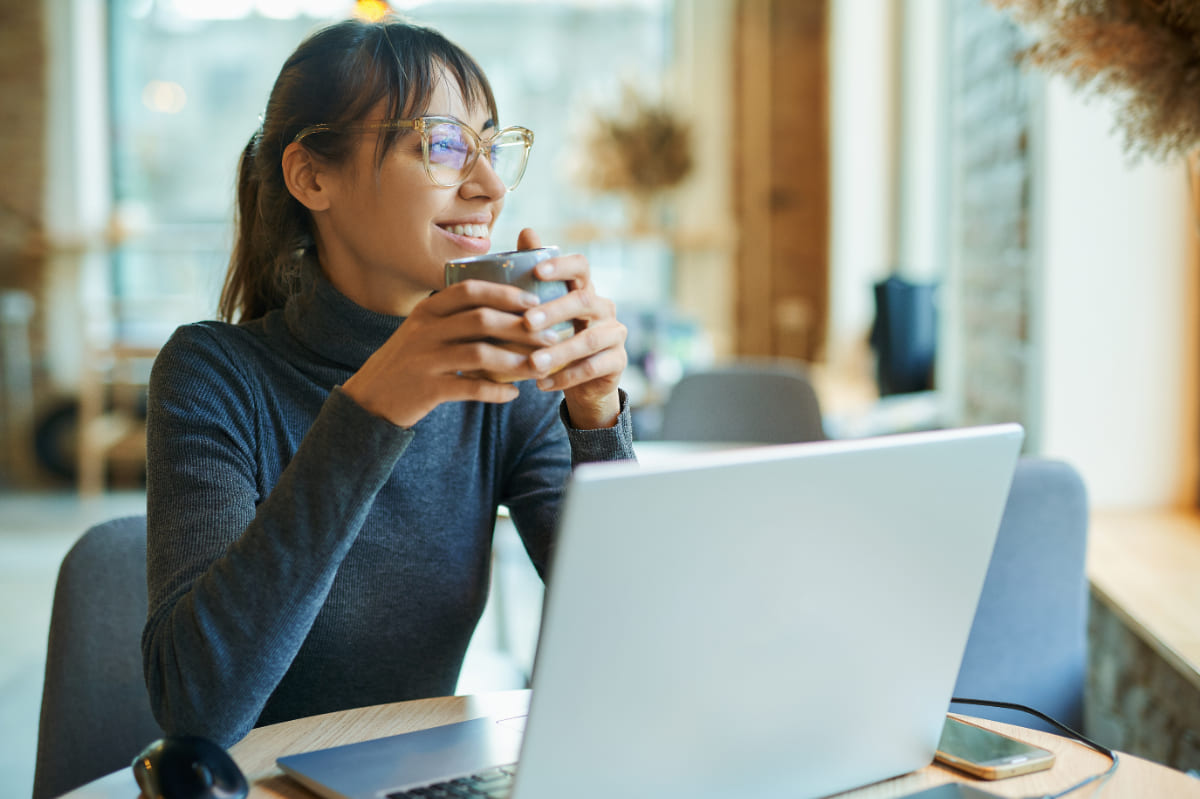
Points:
(988, 754)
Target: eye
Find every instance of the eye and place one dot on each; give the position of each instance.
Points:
(448, 145)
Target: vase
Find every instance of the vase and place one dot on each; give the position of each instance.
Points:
(645, 212)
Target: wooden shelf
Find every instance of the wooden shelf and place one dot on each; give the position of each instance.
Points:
(1145, 566)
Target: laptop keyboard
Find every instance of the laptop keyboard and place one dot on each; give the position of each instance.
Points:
(493, 783)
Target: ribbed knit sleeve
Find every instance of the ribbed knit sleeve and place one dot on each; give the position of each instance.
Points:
(607, 444)
(237, 571)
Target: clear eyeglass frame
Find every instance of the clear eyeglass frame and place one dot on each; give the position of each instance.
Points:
(511, 137)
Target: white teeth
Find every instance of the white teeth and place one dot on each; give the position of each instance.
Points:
(474, 231)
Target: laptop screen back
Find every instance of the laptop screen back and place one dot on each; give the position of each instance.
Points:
(772, 621)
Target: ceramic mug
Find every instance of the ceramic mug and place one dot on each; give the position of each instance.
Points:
(516, 269)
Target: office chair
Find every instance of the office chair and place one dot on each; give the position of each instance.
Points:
(95, 711)
(753, 401)
(1028, 642)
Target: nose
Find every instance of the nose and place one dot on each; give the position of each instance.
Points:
(482, 179)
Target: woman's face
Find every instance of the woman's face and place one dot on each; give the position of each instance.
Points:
(386, 234)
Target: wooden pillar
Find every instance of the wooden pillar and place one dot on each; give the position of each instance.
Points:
(22, 142)
(781, 177)
(22, 247)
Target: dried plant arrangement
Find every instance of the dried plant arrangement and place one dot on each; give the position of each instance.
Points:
(1143, 54)
(642, 149)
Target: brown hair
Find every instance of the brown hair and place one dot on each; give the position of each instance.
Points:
(337, 75)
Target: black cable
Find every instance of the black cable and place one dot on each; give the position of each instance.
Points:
(1104, 750)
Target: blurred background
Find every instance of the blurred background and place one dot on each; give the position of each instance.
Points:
(874, 189)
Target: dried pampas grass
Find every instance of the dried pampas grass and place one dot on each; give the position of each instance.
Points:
(643, 148)
(1143, 54)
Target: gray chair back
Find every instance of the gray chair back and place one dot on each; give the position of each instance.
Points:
(95, 711)
(766, 402)
(1028, 643)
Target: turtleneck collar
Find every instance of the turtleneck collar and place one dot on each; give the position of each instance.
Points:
(331, 324)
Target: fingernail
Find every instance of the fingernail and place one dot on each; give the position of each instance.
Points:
(545, 269)
(529, 298)
(541, 359)
(535, 318)
(550, 336)
(546, 383)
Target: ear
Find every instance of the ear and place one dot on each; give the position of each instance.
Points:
(305, 177)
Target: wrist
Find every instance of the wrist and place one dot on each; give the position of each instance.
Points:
(594, 415)
(372, 402)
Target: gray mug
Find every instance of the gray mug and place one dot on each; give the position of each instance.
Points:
(514, 268)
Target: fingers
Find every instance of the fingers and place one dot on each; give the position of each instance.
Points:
(489, 323)
(468, 342)
(528, 240)
(467, 388)
(425, 370)
(605, 365)
(573, 268)
(595, 356)
(496, 333)
(475, 328)
(591, 354)
(478, 294)
(470, 388)
(581, 305)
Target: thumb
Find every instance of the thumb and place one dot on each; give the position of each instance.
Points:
(528, 240)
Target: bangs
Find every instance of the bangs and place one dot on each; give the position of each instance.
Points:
(402, 69)
(395, 65)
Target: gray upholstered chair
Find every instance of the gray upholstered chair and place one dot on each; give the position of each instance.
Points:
(1028, 643)
(95, 712)
(753, 401)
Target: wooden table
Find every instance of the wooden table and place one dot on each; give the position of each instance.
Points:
(256, 755)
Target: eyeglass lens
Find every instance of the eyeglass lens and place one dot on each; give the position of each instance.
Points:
(452, 151)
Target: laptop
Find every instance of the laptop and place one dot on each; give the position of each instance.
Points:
(772, 621)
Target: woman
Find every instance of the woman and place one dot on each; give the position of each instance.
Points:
(323, 475)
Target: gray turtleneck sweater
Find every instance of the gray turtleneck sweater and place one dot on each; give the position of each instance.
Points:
(305, 556)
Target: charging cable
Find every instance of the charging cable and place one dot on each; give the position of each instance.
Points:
(1104, 750)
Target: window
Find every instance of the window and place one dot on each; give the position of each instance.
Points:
(189, 79)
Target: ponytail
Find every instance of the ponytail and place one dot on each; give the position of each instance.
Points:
(271, 229)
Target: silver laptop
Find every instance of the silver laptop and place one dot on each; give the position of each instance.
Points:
(774, 621)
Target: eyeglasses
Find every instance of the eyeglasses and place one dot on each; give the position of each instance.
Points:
(449, 147)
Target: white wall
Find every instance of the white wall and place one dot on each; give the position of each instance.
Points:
(863, 132)
(705, 269)
(922, 209)
(1117, 316)
(78, 186)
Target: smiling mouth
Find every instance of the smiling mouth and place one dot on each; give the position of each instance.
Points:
(470, 231)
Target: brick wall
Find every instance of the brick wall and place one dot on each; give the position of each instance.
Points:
(1136, 701)
(990, 187)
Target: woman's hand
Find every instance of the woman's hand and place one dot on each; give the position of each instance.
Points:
(444, 349)
(591, 362)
